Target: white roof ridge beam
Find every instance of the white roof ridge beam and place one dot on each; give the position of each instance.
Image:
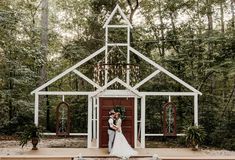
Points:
(69, 70)
(164, 70)
(146, 79)
(86, 78)
(122, 14)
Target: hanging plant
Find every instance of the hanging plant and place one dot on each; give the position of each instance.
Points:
(121, 109)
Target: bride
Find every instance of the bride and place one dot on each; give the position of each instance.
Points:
(121, 148)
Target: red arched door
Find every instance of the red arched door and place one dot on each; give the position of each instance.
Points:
(106, 104)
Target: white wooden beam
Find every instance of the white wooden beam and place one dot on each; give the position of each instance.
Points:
(89, 121)
(112, 82)
(146, 79)
(94, 117)
(106, 56)
(128, 57)
(168, 93)
(98, 120)
(117, 26)
(117, 44)
(64, 93)
(69, 70)
(36, 108)
(143, 122)
(160, 134)
(164, 70)
(121, 13)
(196, 110)
(86, 78)
(70, 134)
(135, 122)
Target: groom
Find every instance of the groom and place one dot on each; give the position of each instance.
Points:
(111, 129)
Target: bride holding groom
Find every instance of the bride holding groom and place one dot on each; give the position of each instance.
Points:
(118, 145)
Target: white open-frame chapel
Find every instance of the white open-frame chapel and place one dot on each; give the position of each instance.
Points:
(103, 91)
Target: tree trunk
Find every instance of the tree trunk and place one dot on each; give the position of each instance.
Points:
(161, 30)
(233, 14)
(222, 16)
(209, 25)
(44, 52)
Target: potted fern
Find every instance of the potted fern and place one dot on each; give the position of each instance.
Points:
(194, 135)
(31, 132)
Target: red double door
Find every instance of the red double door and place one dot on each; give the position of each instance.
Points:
(106, 104)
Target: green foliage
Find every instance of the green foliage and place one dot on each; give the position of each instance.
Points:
(30, 131)
(194, 135)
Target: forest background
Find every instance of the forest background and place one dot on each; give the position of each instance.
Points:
(193, 39)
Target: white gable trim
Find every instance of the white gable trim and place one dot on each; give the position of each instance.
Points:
(119, 81)
(86, 78)
(164, 70)
(121, 13)
(146, 79)
(69, 70)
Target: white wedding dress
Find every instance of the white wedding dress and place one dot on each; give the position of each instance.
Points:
(121, 148)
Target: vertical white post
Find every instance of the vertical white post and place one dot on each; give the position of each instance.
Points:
(98, 120)
(135, 122)
(128, 57)
(89, 121)
(106, 56)
(196, 109)
(143, 122)
(36, 108)
(93, 117)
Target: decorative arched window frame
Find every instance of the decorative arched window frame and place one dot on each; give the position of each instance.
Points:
(67, 131)
(165, 125)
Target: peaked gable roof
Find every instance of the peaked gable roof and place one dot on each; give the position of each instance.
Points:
(101, 88)
(117, 8)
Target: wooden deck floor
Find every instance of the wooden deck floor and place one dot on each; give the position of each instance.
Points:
(99, 154)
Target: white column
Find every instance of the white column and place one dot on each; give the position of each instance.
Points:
(36, 108)
(143, 122)
(128, 57)
(89, 121)
(106, 56)
(94, 117)
(196, 109)
(98, 119)
(135, 122)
